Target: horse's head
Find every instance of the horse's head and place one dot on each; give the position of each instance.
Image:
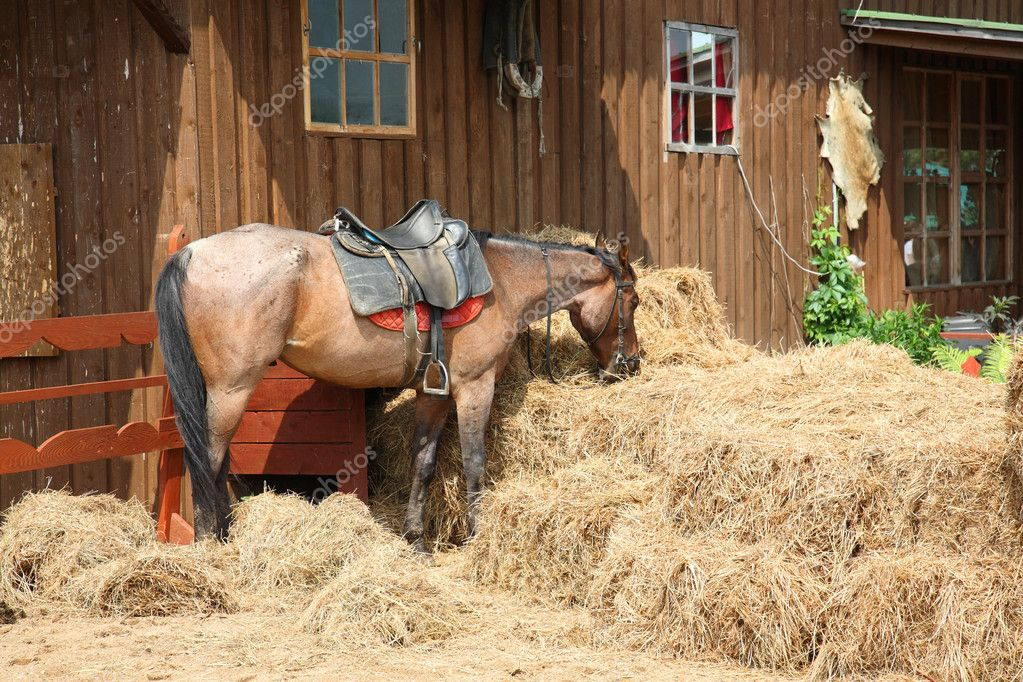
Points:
(605, 315)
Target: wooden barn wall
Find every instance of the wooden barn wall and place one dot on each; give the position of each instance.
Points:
(144, 139)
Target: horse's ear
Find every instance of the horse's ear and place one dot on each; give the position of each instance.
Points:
(623, 253)
(597, 241)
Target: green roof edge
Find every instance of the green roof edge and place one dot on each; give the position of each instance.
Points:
(951, 21)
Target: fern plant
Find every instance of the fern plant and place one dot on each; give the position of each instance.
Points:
(994, 365)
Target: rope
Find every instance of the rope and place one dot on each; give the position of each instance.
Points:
(500, 81)
(763, 220)
(539, 118)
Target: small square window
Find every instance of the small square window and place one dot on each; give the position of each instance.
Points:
(702, 62)
(360, 67)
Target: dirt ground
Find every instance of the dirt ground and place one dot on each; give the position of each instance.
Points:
(244, 647)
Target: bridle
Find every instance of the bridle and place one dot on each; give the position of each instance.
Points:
(620, 358)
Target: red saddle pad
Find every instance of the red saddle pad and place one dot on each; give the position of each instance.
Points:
(464, 314)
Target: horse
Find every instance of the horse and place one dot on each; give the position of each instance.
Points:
(230, 305)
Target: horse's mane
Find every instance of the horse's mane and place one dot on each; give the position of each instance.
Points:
(609, 259)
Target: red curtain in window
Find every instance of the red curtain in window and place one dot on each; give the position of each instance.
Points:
(724, 104)
(679, 103)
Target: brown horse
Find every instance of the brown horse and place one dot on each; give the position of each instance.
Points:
(231, 304)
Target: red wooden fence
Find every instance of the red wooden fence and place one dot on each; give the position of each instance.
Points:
(292, 425)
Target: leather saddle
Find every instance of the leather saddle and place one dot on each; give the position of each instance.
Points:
(433, 258)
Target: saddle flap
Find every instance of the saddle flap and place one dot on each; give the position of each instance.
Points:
(435, 275)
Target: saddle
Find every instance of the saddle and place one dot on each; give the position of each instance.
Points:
(424, 258)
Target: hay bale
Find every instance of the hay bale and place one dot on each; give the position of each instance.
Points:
(49, 538)
(707, 598)
(282, 547)
(924, 613)
(163, 580)
(546, 537)
(392, 600)
(839, 450)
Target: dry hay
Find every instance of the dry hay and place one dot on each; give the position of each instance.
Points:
(537, 427)
(938, 615)
(9, 615)
(546, 538)
(162, 580)
(1014, 416)
(48, 538)
(706, 597)
(838, 450)
(393, 602)
(282, 547)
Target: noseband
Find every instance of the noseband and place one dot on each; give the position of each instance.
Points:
(620, 358)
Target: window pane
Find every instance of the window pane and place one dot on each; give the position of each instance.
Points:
(937, 261)
(969, 267)
(678, 55)
(971, 101)
(911, 216)
(911, 106)
(939, 98)
(393, 19)
(995, 259)
(936, 219)
(724, 76)
(703, 120)
(393, 93)
(679, 117)
(912, 163)
(969, 151)
(997, 101)
(995, 208)
(325, 90)
(359, 26)
(359, 90)
(997, 150)
(324, 24)
(969, 207)
(703, 62)
(724, 106)
(937, 155)
(912, 256)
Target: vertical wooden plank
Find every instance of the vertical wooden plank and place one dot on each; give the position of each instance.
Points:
(651, 154)
(629, 121)
(118, 233)
(592, 174)
(611, 100)
(393, 182)
(39, 94)
(670, 199)
(434, 141)
(253, 130)
(724, 171)
(283, 131)
(744, 229)
(571, 78)
(549, 202)
(478, 102)
(415, 183)
(455, 110)
(371, 177)
(223, 112)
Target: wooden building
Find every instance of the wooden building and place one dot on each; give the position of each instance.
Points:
(159, 112)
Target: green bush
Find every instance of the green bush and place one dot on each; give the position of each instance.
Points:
(914, 331)
(834, 312)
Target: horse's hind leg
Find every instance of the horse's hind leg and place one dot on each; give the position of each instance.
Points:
(431, 413)
(225, 408)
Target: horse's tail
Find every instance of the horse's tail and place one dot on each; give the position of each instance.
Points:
(187, 385)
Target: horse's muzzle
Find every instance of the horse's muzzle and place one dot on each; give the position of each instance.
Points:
(621, 368)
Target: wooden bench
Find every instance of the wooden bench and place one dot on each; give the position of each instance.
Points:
(292, 425)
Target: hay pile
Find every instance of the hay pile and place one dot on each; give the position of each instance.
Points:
(831, 512)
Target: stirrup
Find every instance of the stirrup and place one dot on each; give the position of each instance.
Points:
(442, 389)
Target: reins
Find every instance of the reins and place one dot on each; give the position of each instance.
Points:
(548, 363)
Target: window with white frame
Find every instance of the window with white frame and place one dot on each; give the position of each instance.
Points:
(701, 65)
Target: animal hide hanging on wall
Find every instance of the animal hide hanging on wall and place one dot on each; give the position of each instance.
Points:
(850, 145)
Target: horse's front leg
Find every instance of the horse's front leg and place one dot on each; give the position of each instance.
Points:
(431, 413)
(473, 403)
